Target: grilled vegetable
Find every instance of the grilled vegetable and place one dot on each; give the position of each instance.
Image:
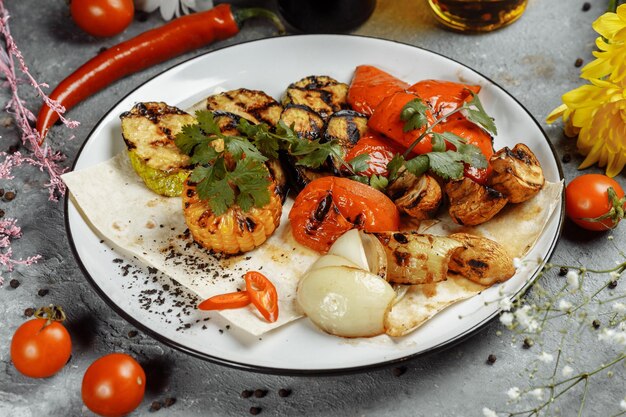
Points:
(235, 231)
(255, 106)
(380, 152)
(303, 120)
(414, 258)
(347, 127)
(323, 94)
(481, 260)
(419, 197)
(471, 203)
(516, 173)
(370, 86)
(149, 130)
(444, 96)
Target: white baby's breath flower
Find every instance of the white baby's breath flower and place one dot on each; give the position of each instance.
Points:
(620, 338)
(506, 304)
(537, 393)
(606, 335)
(622, 404)
(514, 393)
(565, 306)
(567, 371)
(614, 275)
(507, 319)
(526, 319)
(619, 307)
(572, 280)
(517, 263)
(487, 412)
(546, 357)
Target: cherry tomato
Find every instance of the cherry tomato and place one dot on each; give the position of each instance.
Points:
(587, 197)
(102, 17)
(262, 294)
(40, 348)
(113, 385)
(236, 299)
(330, 206)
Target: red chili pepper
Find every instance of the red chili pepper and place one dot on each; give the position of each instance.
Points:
(262, 294)
(226, 301)
(149, 48)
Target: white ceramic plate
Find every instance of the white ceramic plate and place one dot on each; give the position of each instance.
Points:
(298, 348)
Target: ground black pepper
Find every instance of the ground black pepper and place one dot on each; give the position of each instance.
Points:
(255, 410)
(260, 393)
(578, 63)
(284, 392)
(29, 312)
(491, 359)
(1, 192)
(9, 195)
(612, 284)
(14, 283)
(586, 6)
(566, 158)
(596, 324)
(399, 370)
(43, 292)
(563, 271)
(246, 393)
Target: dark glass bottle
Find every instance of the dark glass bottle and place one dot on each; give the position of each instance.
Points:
(326, 16)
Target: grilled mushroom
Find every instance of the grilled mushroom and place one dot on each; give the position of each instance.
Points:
(323, 94)
(516, 173)
(472, 203)
(481, 260)
(419, 197)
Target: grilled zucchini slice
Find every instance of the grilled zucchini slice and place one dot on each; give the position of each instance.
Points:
(347, 127)
(235, 231)
(149, 130)
(253, 105)
(323, 94)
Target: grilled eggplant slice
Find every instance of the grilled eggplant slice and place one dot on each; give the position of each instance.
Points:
(253, 105)
(516, 173)
(481, 260)
(235, 231)
(472, 203)
(303, 120)
(419, 197)
(149, 130)
(346, 127)
(323, 94)
(414, 258)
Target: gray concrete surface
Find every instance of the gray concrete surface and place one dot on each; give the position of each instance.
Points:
(533, 59)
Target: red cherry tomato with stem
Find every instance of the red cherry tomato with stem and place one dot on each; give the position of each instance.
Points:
(102, 18)
(590, 203)
(42, 346)
(113, 385)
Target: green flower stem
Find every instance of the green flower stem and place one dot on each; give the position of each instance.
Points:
(612, 6)
(582, 402)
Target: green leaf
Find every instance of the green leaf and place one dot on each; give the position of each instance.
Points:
(218, 194)
(472, 155)
(189, 137)
(413, 115)
(237, 147)
(359, 163)
(379, 182)
(394, 166)
(360, 178)
(448, 165)
(204, 154)
(200, 173)
(206, 122)
(252, 180)
(418, 165)
(438, 142)
(453, 139)
(286, 133)
(314, 154)
(479, 115)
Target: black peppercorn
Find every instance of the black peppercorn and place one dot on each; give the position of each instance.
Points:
(1, 192)
(43, 292)
(133, 333)
(9, 195)
(155, 406)
(168, 402)
(596, 324)
(566, 158)
(14, 283)
(612, 284)
(491, 359)
(1, 213)
(141, 16)
(260, 393)
(528, 343)
(586, 6)
(399, 370)
(29, 312)
(284, 392)
(255, 410)
(246, 393)
(563, 271)
(578, 63)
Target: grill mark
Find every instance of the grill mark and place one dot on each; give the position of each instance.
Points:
(400, 238)
(402, 258)
(417, 200)
(130, 145)
(250, 224)
(191, 192)
(323, 207)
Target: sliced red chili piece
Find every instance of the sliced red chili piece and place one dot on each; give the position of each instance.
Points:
(262, 294)
(226, 301)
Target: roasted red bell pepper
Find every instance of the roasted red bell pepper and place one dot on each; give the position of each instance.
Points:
(370, 86)
(380, 151)
(157, 45)
(443, 96)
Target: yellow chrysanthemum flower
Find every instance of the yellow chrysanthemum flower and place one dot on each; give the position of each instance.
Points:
(596, 112)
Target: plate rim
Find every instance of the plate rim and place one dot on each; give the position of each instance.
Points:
(305, 372)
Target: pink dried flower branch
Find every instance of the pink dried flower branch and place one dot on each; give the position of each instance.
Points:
(9, 231)
(43, 156)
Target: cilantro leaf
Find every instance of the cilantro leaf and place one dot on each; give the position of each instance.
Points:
(313, 153)
(189, 137)
(418, 165)
(237, 147)
(204, 154)
(413, 115)
(261, 138)
(252, 181)
(472, 155)
(359, 163)
(206, 122)
(448, 165)
(479, 115)
(379, 182)
(360, 178)
(201, 173)
(394, 166)
(218, 194)
(438, 142)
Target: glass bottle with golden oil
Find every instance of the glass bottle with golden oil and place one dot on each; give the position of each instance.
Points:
(477, 15)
